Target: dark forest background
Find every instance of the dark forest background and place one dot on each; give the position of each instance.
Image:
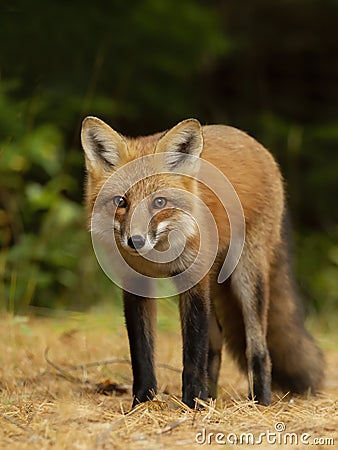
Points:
(268, 67)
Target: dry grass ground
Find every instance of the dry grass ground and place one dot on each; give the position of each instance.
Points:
(44, 408)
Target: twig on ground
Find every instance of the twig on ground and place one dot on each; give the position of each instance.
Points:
(169, 367)
(104, 387)
(104, 362)
(61, 371)
(65, 373)
(16, 423)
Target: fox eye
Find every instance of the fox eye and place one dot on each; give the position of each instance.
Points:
(119, 201)
(159, 202)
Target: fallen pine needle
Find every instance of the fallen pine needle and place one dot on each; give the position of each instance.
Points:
(172, 425)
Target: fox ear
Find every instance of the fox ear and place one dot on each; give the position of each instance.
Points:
(180, 143)
(102, 145)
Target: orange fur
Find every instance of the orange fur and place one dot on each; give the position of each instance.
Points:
(254, 307)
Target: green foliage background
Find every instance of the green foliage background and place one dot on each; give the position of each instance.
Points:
(270, 68)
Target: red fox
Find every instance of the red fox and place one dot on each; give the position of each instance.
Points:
(255, 310)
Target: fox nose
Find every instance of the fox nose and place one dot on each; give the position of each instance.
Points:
(136, 241)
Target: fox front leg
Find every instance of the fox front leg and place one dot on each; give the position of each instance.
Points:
(140, 315)
(194, 311)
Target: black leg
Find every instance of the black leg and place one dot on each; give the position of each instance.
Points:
(258, 356)
(194, 309)
(260, 367)
(140, 315)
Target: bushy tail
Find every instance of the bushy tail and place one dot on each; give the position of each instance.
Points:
(297, 362)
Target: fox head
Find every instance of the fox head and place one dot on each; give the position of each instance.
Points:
(144, 187)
